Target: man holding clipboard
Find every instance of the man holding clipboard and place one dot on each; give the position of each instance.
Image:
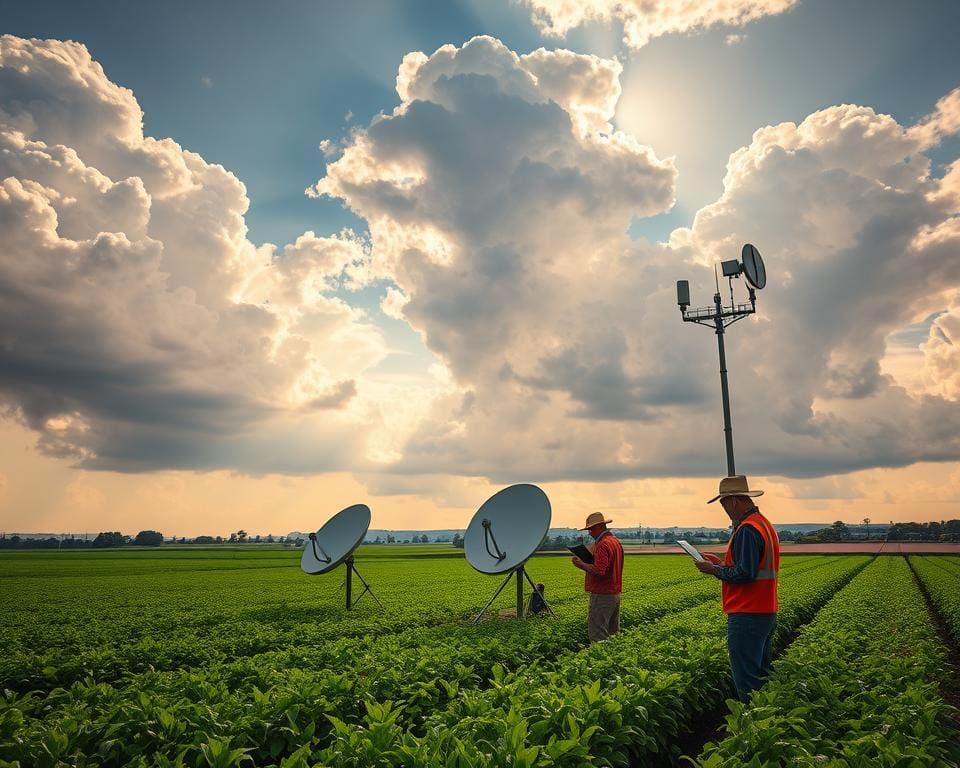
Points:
(602, 564)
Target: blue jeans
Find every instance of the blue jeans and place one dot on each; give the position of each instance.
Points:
(749, 641)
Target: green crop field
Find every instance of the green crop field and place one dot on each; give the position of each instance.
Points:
(232, 656)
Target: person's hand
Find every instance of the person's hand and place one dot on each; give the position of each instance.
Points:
(711, 557)
(705, 566)
(578, 562)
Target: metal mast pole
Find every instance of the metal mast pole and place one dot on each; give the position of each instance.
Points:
(724, 390)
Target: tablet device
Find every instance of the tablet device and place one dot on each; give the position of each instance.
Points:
(690, 550)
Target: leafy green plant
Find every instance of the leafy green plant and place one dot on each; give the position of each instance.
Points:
(225, 659)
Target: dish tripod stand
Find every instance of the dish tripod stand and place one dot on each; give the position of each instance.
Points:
(323, 557)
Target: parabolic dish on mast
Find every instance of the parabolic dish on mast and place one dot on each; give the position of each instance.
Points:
(504, 533)
(753, 268)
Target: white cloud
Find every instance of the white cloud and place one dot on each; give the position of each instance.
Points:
(141, 328)
(643, 20)
(943, 121)
(941, 351)
(734, 39)
(500, 214)
(393, 303)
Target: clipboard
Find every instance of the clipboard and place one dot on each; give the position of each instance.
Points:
(583, 553)
(690, 550)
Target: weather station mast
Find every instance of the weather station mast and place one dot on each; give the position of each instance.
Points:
(719, 317)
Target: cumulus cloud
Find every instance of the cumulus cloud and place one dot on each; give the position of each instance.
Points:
(941, 351)
(141, 329)
(495, 176)
(643, 20)
(498, 196)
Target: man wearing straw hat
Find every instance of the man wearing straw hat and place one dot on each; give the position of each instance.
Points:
(603, 579)
(749, 575)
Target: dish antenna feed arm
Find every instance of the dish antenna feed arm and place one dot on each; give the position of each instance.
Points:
(313, 543)
(487, 538)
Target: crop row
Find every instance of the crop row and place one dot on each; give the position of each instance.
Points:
(941, 579)
(274, 704)
(857, 688)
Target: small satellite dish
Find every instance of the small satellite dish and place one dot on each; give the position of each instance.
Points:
(504, 533)
(334, 542)
(753, 268)
(507, 529)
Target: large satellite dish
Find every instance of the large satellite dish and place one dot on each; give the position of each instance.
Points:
(334, 544)
(505, 532)
(753, 268)
(507, 529)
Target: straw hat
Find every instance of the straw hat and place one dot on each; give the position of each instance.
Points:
(594, 518)
(735, 486)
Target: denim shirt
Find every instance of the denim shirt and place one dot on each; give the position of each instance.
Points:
(747, 551)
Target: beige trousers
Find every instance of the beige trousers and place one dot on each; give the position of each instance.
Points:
(603, 616)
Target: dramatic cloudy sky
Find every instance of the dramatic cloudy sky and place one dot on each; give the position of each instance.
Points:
(257, 265)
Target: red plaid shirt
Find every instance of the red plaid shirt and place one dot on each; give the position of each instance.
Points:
(607, 576)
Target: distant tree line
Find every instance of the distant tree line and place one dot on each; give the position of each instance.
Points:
(111, 539)
(416, 539)
(102, 540)
(945, 530)
(699, 536)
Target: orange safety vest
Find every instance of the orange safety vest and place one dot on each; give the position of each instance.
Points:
(760, 595)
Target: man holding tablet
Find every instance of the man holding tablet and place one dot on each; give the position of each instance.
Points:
(749, 575)
(603, 580)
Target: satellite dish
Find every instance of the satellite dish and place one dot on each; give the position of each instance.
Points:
(334, 542)
(753, 268)
(507, 529)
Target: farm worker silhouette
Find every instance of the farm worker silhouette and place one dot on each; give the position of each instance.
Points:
(603, 578)
(749, 575)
